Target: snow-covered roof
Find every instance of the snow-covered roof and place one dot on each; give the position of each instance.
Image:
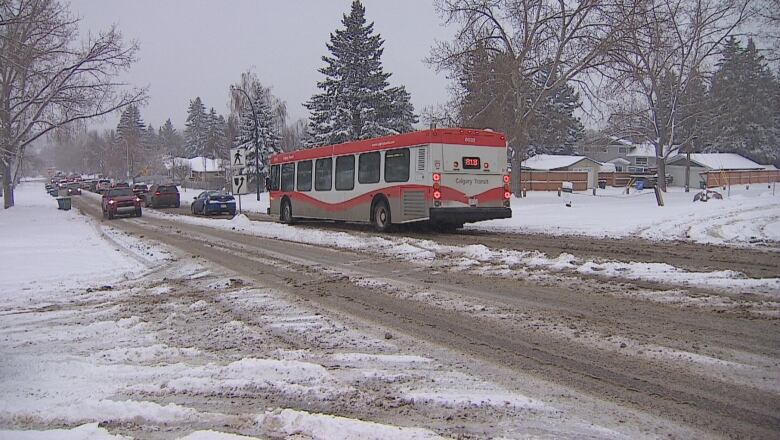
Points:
(642, 150)
(197, 164)
(620, 160)
(722, 161)
(547, 162)
(608, 167)
(770, 167)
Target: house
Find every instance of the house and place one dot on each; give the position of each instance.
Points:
(196, 168)
(627, 156)
(554, 162)
(707, 162)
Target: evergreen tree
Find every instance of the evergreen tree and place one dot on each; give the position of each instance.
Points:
(131, 137)
(356, 101)
(260, 114)
(555, 129)
(196, 129)
(216, 142)
(171, 142)
(744, 92)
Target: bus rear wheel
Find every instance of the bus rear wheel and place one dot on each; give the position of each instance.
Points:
(285, 215)
(381, 216)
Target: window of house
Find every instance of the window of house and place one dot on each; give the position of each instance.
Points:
(288, 177)
(275, 178)
(397, 165)
(323, 174)
(641, 161)
(345, 173)
(368, 167)
(303, 176)
(622, 150)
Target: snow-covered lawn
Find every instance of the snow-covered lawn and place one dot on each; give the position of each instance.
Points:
(745, 217)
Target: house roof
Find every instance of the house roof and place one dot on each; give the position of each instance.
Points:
(642, 150)
(547, 162)
(720, 161)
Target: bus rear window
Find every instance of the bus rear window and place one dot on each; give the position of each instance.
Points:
(397, 165)
(323, 174)
(288, 177)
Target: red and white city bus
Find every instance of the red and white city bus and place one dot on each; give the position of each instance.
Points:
(447, 177)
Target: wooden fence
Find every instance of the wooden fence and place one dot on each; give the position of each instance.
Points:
(616, 179)
(724, 178)
(552, 180)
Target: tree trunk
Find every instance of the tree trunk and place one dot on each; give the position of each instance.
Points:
(662, 173)
(8, 188)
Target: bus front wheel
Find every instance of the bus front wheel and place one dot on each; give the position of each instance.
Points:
(381, 216)
(285, 215)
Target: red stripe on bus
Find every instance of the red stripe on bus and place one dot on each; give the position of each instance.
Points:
(450, 136)
(448, 194)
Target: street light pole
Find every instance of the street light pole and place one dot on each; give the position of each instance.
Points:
(256, 136)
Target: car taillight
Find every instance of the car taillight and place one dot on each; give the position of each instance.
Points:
(157, 193)
(110, 202)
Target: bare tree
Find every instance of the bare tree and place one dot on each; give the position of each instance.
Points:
(48, 79)
(567, 40)
(663, 57)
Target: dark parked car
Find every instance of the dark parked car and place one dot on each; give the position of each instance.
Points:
(162, 195)
(120, 201)
(140, 190)
(213, 202)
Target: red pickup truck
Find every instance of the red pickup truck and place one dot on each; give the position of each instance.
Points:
(120, 201)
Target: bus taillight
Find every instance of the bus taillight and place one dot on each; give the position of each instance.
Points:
(436, 177)
(437, 195)
(506, 179)
(507, 194)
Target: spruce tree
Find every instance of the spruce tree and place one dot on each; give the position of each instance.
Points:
(216, 143)
(195, 130)
(356, 101)
(268, 134)
(171, 142)
(744, 94)
(555, 129)
(130, 137)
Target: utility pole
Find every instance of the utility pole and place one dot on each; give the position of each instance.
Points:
(256, 138)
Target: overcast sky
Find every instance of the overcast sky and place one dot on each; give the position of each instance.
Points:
(194, 48)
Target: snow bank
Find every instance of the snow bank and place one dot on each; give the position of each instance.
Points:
(90, 431)
(614, 214)
(327, 427)
(46, 249)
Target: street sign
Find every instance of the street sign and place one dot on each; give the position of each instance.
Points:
(240, 184)
(238, 157)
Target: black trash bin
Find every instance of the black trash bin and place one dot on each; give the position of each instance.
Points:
(602, 184)
(63, 203)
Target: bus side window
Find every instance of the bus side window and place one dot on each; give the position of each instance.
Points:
(323, 174)
(345, 173)
(397, 165)
(368, 167)
(275, 178)
(303, 176)
(288, 177)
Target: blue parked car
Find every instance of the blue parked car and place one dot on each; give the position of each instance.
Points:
(213, 202)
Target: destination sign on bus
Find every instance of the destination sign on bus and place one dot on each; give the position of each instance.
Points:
(471, 163)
